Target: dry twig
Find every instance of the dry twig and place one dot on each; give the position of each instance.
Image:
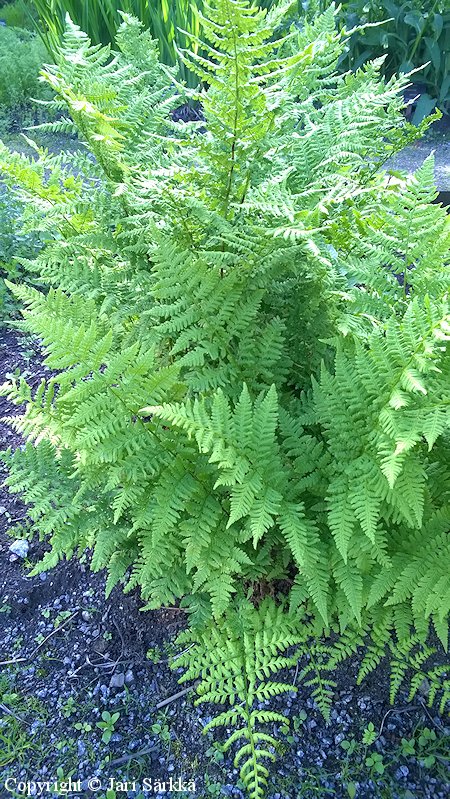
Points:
(174, 697)
(133, 755)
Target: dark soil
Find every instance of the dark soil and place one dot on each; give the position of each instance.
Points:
(75, 654)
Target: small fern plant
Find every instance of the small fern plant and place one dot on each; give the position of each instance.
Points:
(247, 321)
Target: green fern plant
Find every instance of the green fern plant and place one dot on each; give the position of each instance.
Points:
(239, 674)
(248, 324)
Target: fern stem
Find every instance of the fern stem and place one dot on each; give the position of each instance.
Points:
(236, 114)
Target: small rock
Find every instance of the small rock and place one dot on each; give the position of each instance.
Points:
(43, 576)
(2, 510)
(85, 615)
(129, 677)
(81, 748)
(402, 771)
(20, 547)
(117, 681)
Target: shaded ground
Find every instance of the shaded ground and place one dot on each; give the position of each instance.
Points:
(76, 655)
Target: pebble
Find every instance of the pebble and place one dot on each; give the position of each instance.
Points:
(117, 681)
(81, 748)
(20, 547)
(401, 772)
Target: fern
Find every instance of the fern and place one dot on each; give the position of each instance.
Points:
(233, 664)
(247, 319)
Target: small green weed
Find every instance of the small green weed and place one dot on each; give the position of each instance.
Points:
(154, 654)
(16, 741)
(215, 752)
(212, 788)
(108, 725)
(69, 707)
(83, 726)
(161, 729)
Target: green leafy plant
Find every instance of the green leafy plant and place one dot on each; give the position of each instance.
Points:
(256, 642)
(161, 729)
(154, 654)
(16, 14)
(369, 734)
(429, 748)
(84, 726)
(21, 57)
(69, 707)
(15, 242)
(17, 745)
(414, 34)
(108, 723)
(248, 322)
(374, 762)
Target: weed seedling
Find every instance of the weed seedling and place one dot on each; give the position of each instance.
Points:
(108, 725)
(83, 726)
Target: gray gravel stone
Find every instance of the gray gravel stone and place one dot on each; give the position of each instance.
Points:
(117, 681)
(20, 547)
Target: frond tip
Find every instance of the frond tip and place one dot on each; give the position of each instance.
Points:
(233, 662)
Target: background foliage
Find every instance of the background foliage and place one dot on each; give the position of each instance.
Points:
(22, 55)
(17, 14)
(414, 33)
